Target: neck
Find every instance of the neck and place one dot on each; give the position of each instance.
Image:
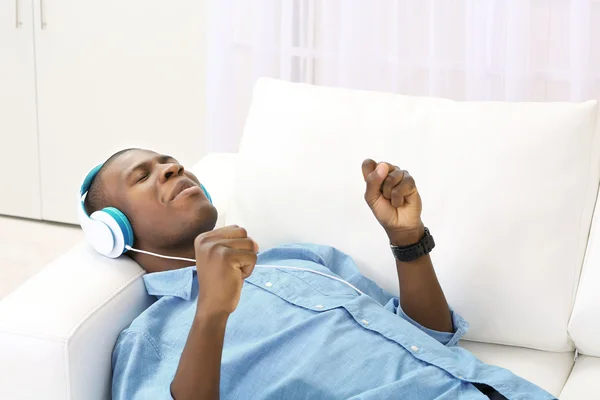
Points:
(157, 264)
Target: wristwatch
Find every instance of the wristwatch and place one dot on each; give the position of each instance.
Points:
(414, 251)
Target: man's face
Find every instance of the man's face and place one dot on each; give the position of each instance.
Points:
(164, 202)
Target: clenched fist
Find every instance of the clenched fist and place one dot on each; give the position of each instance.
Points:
(224, 258)
(393, 197)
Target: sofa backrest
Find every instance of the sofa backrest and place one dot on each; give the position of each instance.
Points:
(508, 192)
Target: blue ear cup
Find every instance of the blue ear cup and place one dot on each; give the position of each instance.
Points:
(206, 193)
(108, 230)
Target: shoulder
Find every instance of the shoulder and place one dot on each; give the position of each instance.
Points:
(316, 253)
(136, 342)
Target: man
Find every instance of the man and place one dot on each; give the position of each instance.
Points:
(224, 328)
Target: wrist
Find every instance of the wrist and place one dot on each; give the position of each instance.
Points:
(210, 315)
(406, 237)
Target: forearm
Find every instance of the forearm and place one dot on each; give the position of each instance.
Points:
(421, 296)
(198, 373)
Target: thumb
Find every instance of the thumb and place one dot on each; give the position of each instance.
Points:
(374, 175)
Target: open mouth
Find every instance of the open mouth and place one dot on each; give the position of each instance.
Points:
(183, 187)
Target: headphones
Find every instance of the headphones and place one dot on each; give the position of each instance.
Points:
(108, 230)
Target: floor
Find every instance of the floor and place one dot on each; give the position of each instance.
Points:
(26, 246)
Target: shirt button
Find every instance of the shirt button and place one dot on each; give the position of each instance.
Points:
(461, 377)
(414, 348)
(268, 284)
(364, 321)
(319, 306)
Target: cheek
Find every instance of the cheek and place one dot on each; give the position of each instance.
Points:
(144, 213)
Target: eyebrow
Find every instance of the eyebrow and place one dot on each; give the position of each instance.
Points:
(145, 165)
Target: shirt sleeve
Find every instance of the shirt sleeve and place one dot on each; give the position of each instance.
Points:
(460, 326)
(139, 370)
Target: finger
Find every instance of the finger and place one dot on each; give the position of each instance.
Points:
(247, 263)
(392, 180)
(368, 166)
(403, 190)
(240, 244)
(390, 166)
(231, 232)
(374, 180)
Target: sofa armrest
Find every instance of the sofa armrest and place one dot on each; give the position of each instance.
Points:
(57, 330)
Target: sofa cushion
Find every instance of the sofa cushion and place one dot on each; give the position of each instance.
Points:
(583, 381)
(584, 326)
(508, 192)
(547, 370)
(216, 171)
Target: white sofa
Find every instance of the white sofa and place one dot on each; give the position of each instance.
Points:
(509, 191)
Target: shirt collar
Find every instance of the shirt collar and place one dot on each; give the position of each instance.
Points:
(176, 282)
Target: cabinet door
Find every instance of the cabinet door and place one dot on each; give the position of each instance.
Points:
(20, 186)
(114, 74)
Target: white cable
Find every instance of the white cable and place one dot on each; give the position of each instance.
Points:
(313, 271)
(256, 266)
(160, 255)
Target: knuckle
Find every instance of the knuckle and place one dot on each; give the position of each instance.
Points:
(371, 178)
(220, 251)
(200, 240)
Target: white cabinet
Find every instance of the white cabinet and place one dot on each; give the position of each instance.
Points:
(20, 186)
(86, 78)
(113, 74)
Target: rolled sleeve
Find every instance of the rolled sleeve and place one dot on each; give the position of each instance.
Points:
(460, 326)
(139, 370)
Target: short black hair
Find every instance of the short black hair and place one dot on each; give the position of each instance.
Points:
(97, 195)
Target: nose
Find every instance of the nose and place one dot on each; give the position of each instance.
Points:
(171, 170)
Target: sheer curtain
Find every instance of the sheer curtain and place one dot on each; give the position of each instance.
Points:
(510, 50)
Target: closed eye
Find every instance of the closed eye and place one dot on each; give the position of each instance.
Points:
(142, 177)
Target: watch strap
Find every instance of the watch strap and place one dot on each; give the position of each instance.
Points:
(414, 251)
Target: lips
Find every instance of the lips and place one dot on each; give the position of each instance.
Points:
(180, 186)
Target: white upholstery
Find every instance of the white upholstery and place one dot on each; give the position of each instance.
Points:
(216, 171)
(584, 381)
(57, 330)
(508, 191)
(545, 369)
(584, 326)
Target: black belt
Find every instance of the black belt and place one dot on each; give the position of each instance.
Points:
(489, 391)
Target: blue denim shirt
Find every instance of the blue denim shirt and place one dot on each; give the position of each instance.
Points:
(299, 335)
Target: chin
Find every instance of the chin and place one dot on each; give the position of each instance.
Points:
(209, 217)
(202, 219)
